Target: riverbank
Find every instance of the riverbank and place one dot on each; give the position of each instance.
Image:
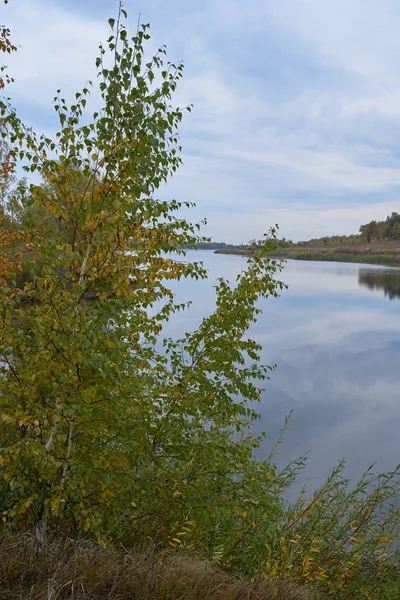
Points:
(81, 569)
(377, 253)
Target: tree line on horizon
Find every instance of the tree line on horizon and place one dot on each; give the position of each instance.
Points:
(374, 231)
(113, 433)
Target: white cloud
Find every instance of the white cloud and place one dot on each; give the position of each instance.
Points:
(294, 223)
(268, 123)
(324, 168)
(57, 50)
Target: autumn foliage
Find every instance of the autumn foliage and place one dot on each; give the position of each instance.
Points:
(109, 430)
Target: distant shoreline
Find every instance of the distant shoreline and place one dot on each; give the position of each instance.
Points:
(378, 253)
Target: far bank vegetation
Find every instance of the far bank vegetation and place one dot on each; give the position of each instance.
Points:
(127, 460)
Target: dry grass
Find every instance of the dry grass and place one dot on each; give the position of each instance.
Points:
(81, 570)
(385, 253)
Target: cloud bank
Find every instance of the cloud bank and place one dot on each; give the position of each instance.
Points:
(296, 104)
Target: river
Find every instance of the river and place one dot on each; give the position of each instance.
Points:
(335, 337)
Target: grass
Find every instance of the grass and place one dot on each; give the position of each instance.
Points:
(383, 258)
(381, 253)
(82, 570)
(380, 258)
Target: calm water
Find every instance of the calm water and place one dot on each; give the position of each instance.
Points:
(335, 336)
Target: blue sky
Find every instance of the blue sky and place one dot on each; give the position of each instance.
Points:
(296, 116)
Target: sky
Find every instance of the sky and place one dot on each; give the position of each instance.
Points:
(296, 116)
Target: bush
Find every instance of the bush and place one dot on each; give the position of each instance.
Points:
(103, 434)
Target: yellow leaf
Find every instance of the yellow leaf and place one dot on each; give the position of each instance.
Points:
(382, 556)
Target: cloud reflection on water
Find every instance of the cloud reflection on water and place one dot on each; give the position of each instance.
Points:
(336, 340)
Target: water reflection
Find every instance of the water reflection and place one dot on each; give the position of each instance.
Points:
(388, 281)
(337, 347)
